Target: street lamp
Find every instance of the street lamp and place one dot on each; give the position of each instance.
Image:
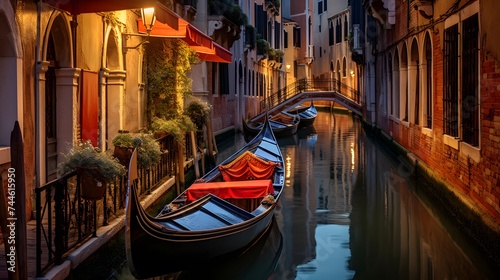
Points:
(148, 19)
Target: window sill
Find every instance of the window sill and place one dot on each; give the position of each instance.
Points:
(394, 119)
(427, 132)
(473, 152)
(4, 155)
(451, 141)
(200, 93)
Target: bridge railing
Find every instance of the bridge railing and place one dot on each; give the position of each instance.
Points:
(310, 85)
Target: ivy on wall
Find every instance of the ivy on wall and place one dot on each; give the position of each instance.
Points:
(168, 67)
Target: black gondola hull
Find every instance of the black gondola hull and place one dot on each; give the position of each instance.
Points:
(208, 228)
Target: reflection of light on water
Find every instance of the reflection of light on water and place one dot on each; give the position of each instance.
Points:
(288, 165)
(352, 156)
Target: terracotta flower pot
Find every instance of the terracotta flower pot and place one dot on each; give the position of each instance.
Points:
(92, 187)
(123, 154)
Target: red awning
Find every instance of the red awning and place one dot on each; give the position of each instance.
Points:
(94, 6)
(220, 55)
(170, 25)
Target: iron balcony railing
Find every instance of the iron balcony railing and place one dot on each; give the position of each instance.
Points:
(64, 219)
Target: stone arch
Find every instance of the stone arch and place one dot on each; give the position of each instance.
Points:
(112, 56)
(58, 28)
(11, 96)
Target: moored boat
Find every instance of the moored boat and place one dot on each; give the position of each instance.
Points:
(222, 213)
(257, 262)
(282, 124)
(307, 114)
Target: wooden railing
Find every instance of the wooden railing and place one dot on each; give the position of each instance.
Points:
(64, 219)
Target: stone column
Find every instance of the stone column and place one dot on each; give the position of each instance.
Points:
(68, 108)
(115, 115)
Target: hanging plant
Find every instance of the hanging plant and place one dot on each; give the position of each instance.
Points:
(177, 127)
(94, 167)
(148, 149)
(85, 155)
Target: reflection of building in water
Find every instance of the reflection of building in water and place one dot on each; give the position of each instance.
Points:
(318, 192)
(336, 172)
(298, 208)
(393, 235)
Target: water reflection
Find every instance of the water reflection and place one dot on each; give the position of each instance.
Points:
(316, 207)
(350, 211)
(256, 262)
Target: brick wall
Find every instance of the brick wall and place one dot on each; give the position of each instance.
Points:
(478, 181)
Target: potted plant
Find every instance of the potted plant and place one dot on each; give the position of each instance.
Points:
(148, 149)
(95, 169)
(177, 127)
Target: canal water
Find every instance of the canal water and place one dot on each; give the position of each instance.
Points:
(349, 211)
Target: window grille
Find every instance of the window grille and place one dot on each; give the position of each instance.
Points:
(428, 58)
(450, 81)
(470, 106)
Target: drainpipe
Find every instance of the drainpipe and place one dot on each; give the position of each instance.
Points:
(74, 25)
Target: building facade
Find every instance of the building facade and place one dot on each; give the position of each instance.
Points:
(433, 81)
(73, 72)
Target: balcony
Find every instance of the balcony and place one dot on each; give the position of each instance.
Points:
(225, 21)
(273, 6)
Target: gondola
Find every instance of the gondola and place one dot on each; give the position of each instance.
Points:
(283, 125)
(220, 214)
(307, 114)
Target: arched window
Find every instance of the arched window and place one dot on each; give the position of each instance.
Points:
(330, 33)
(344, 67)
(428, 82)
(338, 31)
(414, 75)
(346, 27)
(396, 85)
(389, 85)
(403, 70)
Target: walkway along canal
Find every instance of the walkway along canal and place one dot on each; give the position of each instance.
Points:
(353, 209)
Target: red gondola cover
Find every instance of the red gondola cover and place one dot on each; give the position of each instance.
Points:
(247, 167)
(236, 189)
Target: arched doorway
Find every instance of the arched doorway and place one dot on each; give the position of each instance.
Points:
(58, 86)
(51, 111)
